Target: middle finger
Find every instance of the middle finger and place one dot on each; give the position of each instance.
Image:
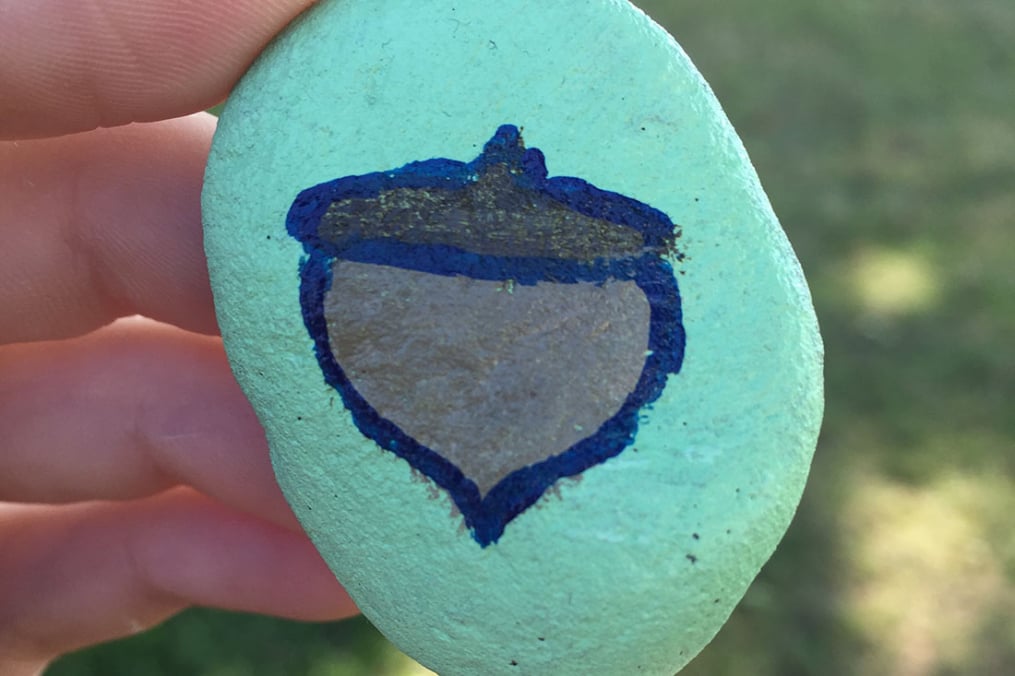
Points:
(128, 411)
(102, 225)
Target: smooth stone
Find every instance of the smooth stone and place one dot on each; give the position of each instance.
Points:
(481, 317)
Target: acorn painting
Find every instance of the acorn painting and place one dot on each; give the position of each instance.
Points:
(539, 370)
(549, 314)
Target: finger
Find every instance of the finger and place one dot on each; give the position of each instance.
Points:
(102, 225)
(80, 574)
(68, 66)
(126, 412)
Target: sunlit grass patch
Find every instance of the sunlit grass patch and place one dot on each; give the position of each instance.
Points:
(924, 568)
(892, 283)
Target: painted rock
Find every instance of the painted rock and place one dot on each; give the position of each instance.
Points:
(539, 371)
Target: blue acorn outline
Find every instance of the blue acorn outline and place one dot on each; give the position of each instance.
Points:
(487, 516)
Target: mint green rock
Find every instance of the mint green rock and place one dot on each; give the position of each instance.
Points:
(634, 564)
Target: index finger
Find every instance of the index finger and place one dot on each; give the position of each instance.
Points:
(69, 66)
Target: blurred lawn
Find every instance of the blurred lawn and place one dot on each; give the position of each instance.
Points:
(884, 133)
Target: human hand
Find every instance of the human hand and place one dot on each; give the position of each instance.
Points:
(134, 475)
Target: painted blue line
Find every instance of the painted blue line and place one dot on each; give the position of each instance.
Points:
(487, 516)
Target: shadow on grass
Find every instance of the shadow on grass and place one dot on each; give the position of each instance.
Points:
(204, 641)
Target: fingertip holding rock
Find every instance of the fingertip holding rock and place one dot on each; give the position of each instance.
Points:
(538, 367)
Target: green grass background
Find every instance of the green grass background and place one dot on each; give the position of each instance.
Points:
(884, 132)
